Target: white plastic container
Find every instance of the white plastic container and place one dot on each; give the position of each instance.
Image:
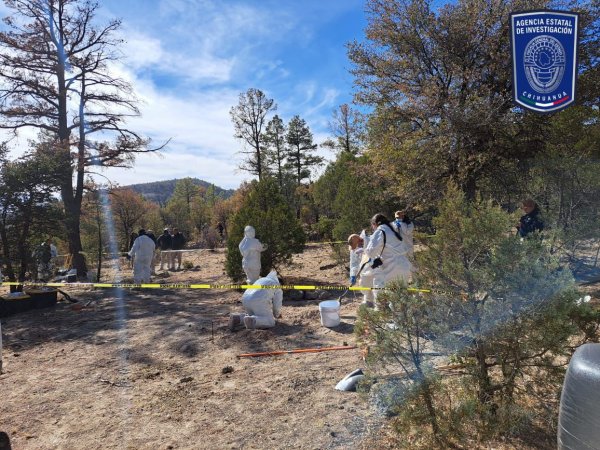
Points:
(330, 313)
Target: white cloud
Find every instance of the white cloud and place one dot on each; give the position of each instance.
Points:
(150, 168)
(210, 42)
(140, 50)
(327, 102)
(200, 132)
(146, 53)
(199, 126)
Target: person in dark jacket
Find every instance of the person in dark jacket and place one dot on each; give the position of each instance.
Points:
(132, 237)
(178, 244)
(221, 231)
(151, 235)
(43, 256)
(165, 243)
(531, 221)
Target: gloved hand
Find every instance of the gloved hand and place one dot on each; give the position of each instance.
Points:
(352, 280)
(128, 256)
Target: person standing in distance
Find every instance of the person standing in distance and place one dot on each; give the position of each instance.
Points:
(531, 221)
(178, 243)
(251, 248)
(143, 252)
(165, 242)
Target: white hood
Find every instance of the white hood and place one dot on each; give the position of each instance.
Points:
(249, 232)
(273, 276)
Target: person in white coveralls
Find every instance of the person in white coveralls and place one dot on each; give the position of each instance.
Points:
(142, 252)
(360, 266)
(251, 248)
(263, 306)
(388, 254)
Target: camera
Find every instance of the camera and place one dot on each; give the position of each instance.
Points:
(376, 263)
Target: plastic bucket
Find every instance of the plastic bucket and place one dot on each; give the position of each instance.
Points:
(330, 313)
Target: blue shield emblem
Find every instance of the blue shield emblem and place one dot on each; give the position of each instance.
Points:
(544, 59)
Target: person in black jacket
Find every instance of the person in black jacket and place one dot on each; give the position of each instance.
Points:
(151, 235)
(132, 237)
(531, 221)
(178, 244)
(165, 243)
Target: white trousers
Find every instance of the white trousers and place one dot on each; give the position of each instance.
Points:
(261, 310)
(252, 273)
(142, 269)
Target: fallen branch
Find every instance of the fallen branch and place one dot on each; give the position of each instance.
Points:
(67, 296)
(299, 350)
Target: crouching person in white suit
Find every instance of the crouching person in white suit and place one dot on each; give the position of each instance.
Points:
(262, 306)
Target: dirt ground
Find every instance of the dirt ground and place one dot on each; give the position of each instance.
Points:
(158, 369)
(147, 370)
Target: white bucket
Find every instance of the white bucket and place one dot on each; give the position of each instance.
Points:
(330, 313)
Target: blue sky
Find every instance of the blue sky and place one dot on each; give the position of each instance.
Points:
(188, 61)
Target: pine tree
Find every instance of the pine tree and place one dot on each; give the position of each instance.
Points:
(249, 117)
(300, 156)
(275, 145)
(348, 128)
(28, 209)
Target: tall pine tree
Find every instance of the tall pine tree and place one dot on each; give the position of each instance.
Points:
(300, 156)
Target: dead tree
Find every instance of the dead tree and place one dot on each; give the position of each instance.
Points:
(55, 77)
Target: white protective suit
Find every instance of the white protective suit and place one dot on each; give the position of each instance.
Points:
(359, 259)
(395, 263)
(263, 305)
(142, 252)
(406, 231)
(251, 248)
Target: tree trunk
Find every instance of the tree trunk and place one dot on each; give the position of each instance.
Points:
(71, 200)
(72, 224)
(10, 272)
(470, 187)
(98, 272)
(22, 248)
(258, 160)
(483, 377)
(428, 398)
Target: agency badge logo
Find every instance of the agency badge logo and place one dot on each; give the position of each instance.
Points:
(544, 59)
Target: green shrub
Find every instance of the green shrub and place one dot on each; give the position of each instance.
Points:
(324, 228)
(276, 225)
(502, 308)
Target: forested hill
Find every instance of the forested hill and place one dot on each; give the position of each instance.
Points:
(161, 191)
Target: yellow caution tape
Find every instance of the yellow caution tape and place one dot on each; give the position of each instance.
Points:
(214, 286)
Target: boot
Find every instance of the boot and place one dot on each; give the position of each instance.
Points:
(236, 320)
(250, 322)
